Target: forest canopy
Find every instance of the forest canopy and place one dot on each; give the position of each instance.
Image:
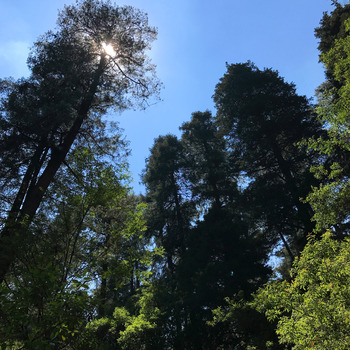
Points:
(87, 264)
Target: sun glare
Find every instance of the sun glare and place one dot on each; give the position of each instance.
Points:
(109, 49)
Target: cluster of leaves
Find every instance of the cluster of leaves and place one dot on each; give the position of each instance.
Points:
(122, 330)
(313, 309)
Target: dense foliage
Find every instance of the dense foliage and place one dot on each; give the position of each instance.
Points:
(313, 309)
(86, 264)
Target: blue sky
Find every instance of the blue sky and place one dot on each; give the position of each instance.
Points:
(195, 40)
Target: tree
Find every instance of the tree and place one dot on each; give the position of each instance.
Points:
(125, 329)
(170, 211)
(94, 61)
(195, 213)
(223, 255)
(169, 216)
(263, 119)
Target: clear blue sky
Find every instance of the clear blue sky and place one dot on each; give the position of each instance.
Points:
(195, 40)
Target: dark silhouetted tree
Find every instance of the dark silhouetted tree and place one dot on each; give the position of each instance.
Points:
(263, 119)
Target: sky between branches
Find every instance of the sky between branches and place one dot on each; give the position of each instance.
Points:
(196, 38)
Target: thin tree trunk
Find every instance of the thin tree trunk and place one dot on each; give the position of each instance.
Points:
(286, 245)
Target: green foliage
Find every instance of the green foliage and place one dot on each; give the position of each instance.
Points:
(331, 199)
(91, 230)
(313, 310)
(37, 311)
(122, 330)
(139, 328)
(332, 27)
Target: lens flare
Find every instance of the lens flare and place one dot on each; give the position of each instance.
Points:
(108, 48)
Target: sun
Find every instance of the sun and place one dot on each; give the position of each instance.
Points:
(108, 48)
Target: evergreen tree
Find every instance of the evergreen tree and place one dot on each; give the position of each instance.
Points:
(218, 255)
(94, 61)
(207, 168)
(223, 257)
(170, 211)
(263, 119)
